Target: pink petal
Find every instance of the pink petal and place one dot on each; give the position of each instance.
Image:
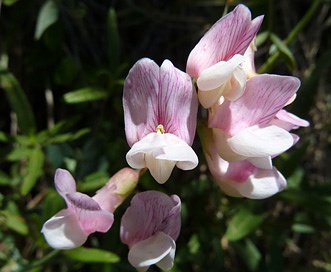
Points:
(178, 103)
(89, 213)
(288, 121)
(155, 96)
(152, 251)
(264, 96)
(150, 212)
(119, 186)
(140, 100)
(63, 231)
(239, 178)
(230, 35)
(64, 182)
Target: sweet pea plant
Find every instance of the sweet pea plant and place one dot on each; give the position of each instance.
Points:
(247, 126)
(118, 154)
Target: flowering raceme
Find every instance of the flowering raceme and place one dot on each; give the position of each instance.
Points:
(160, 110)
(70, 227)
(216, 61)
(239, 179)
(150, 227)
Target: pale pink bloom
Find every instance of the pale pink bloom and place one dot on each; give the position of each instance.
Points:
(249, 128)
(160, 110)
(240, 179)
(70, 227)
(150, 227)
(216, 61)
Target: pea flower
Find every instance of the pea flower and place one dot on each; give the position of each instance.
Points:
(216, 61)
(239, 179)
(70, 227)
(150, 227)
(160, 109)
(254, 127)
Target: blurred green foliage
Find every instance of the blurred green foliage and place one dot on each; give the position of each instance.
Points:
(62, 68)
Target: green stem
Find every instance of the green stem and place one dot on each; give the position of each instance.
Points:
(41, 261)
(267, 66)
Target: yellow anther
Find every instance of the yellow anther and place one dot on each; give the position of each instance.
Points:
(160, 128)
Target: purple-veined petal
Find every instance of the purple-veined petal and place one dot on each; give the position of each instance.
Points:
(230, 35)
(288, 121)
(140, 103)
(89, 214)
(150, 212)
(63, 231)
(264, 96)
(260, 141)
(177, 103)
(160, 153)
(64, 182)
(156, 96)
(152, 251)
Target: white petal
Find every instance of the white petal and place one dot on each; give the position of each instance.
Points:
(159, 169)
(260, 141)
(152, 251)
(160, 153)
(263, 184)
(219, 73)
(261, 162)
(63, 231)
(236, 85)
(223, 148)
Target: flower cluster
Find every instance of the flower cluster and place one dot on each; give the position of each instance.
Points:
(246, 128)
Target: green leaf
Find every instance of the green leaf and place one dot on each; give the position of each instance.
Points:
(302, 228)
(249, 254)
(4, 179)
(9, 2)
(242, 224)
(18, 153)
(34, 170)
(284, 50)
(4, 137)
(84, 95)
(93, 182)
(14, 222)
(47, 16)
(18, 101)
(92, 255)
(261, 38)
(63, 138)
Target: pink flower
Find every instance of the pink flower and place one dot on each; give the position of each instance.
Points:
(240, 179)
(216, 61)
(70, 227)
(246, 129)
(150, 227)
(160, 109)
